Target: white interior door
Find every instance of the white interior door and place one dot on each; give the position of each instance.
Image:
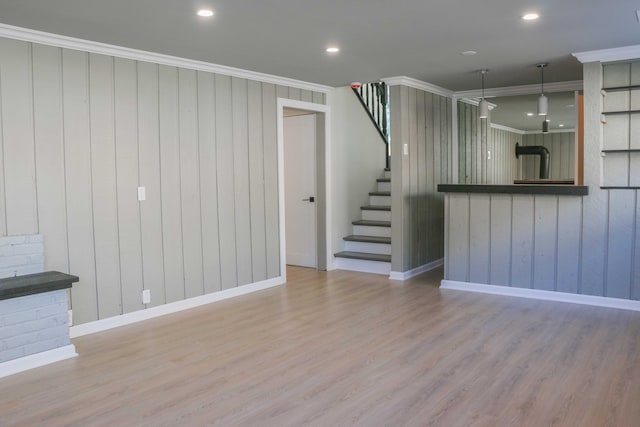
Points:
(300, 189)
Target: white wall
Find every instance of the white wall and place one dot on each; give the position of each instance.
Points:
(357, 161)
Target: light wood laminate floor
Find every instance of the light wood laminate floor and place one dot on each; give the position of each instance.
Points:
(340, 349)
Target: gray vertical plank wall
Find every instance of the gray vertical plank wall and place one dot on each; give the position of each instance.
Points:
(256, 181)
(103, 178)
(561, 146)
(422, 121)
(415, 213)
(545, 217)
(500, 239)
(583, 245)
(151, 209)
(479, 237)
(49, 138)
(225, 168)
(472, 145)
(422, 222)
(503, 167)
(270, 145)
(77, 161)
(17, 125)
(190, 183)
(522, 245)
(208, 182)
(434, 106)
(170, 184)
(80, 133)
(241, 179)
(127, 161)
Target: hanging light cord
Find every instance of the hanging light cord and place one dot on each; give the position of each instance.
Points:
(482, 72)
(542, 75)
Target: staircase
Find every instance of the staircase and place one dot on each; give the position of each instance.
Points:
(368, 249)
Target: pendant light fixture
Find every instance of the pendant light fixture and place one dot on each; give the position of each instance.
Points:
(543, 102)
(545, 125)
(484, 105)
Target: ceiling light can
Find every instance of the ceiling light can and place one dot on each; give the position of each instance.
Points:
(205, 13)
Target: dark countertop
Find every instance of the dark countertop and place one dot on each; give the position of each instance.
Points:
(561, 190)
(31, 284)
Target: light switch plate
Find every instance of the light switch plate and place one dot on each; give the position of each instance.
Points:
(146, 296)
(142, 194)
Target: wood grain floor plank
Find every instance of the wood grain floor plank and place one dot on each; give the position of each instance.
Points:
(341, 349)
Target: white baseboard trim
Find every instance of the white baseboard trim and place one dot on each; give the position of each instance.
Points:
(173, 307)
(542, 295)
(404, 275)
(11, 367)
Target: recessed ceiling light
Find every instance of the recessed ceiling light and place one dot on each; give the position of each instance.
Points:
(530, 16)
(547, 120)
(561, 125)
(205, 13)
(333, 49)
(530, 114)
(468, 53)
(570, 106)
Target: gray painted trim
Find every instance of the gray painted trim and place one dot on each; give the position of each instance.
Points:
(566, 190)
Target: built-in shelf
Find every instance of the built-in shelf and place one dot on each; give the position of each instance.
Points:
(620, 88)
(616, 161)
(632, 150)
(621, 112)
(619, 188)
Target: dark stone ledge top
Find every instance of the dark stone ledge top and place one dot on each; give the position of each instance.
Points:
(561, 190)
(31, 284)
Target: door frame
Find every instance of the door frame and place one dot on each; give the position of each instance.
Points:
(323, 243)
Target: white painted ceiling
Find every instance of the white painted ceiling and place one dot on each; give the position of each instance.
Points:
(378, 38)
(512, 111)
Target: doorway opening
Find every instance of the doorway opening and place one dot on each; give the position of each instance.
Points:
(302, 165)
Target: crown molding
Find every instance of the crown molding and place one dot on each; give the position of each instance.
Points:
(417, 84)
(34, 36)
(507, 128)
(476, 102)
(569, 86)
(537, 132)
(528, 132)
(607, 55)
